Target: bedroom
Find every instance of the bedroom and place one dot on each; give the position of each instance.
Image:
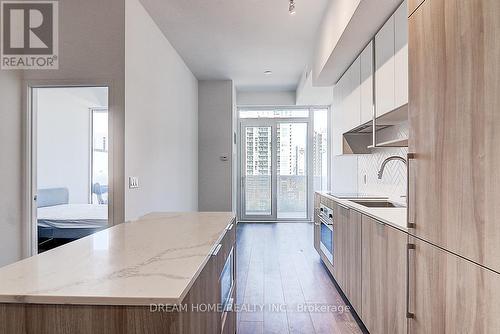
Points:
(69, 163)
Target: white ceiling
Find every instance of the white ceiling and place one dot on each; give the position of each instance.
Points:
(240, 39)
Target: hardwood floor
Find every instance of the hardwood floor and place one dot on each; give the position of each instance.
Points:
(279, 274)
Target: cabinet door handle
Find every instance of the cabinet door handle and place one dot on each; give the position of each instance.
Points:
(409, 248)
(216, 250)
(230, 305)
(409, 217)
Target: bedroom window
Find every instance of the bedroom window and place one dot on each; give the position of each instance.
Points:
(99, 163)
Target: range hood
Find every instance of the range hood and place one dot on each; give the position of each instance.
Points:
(363, 138)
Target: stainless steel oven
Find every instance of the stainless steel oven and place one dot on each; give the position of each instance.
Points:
(326, 239)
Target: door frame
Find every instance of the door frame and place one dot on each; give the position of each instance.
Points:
(30, 224)
(273, 123)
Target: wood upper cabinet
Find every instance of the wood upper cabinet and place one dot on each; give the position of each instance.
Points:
(384, 68)
(383, 278)
(366, 64)
(455, 127)
(450, 294)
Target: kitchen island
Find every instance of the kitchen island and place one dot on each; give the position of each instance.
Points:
(164, 273)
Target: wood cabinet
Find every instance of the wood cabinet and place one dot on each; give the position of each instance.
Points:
(346, 267)
(383, 277)
(339, 215)
(384, 68)
(317, 224)
(206, 289)
(455, 127)
(450, 294)
(366, 89)
(412, 5)
(347, 254)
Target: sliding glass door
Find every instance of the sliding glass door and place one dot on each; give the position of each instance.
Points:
(275, 161)
(257, 171)
(292, 167)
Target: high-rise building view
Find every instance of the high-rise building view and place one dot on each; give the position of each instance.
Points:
(292, 168)
(258, 164)
(291, 165)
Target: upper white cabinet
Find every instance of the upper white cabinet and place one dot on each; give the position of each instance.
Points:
(366, 60)
(386, 57)
(391, 62)
(346, 108)
(384, 68)
(352, 108)
(401, 55)
(337, 118)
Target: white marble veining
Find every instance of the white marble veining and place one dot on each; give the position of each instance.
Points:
(395, 217)
(155, 259)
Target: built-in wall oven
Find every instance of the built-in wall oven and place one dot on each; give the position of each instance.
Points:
(326, 239)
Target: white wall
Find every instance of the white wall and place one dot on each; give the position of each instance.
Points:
(215, 140)
(308, 95)
(10, 167)
(265, 98)
(91, 51)
(161, 131)
(335, 20)
(63, 132)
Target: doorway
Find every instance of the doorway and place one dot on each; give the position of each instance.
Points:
(278, 151)
(69, 168)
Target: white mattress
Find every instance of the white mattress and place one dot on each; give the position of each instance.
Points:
(73, 216)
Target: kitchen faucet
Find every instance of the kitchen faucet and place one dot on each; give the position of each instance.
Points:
(382, 167)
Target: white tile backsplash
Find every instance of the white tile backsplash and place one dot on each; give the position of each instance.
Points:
(393, 182)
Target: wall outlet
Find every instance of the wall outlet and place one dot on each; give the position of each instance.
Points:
(133, 182)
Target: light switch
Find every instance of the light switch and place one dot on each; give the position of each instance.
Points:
(133, 182)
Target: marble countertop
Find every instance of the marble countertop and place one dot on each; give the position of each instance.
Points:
(155, 259)
(396, 217)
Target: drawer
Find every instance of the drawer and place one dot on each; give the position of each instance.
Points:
(226, 245)
(229, 318)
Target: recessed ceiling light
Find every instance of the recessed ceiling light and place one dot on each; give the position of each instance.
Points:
(291, 7)
(268, 72)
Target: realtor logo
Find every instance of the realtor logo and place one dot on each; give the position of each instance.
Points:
(29, 35)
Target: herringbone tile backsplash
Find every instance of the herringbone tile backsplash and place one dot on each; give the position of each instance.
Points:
(393, 182)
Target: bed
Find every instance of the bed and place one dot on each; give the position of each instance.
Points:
(58, 219)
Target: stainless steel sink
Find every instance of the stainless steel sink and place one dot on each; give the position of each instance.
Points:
(378, 204)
